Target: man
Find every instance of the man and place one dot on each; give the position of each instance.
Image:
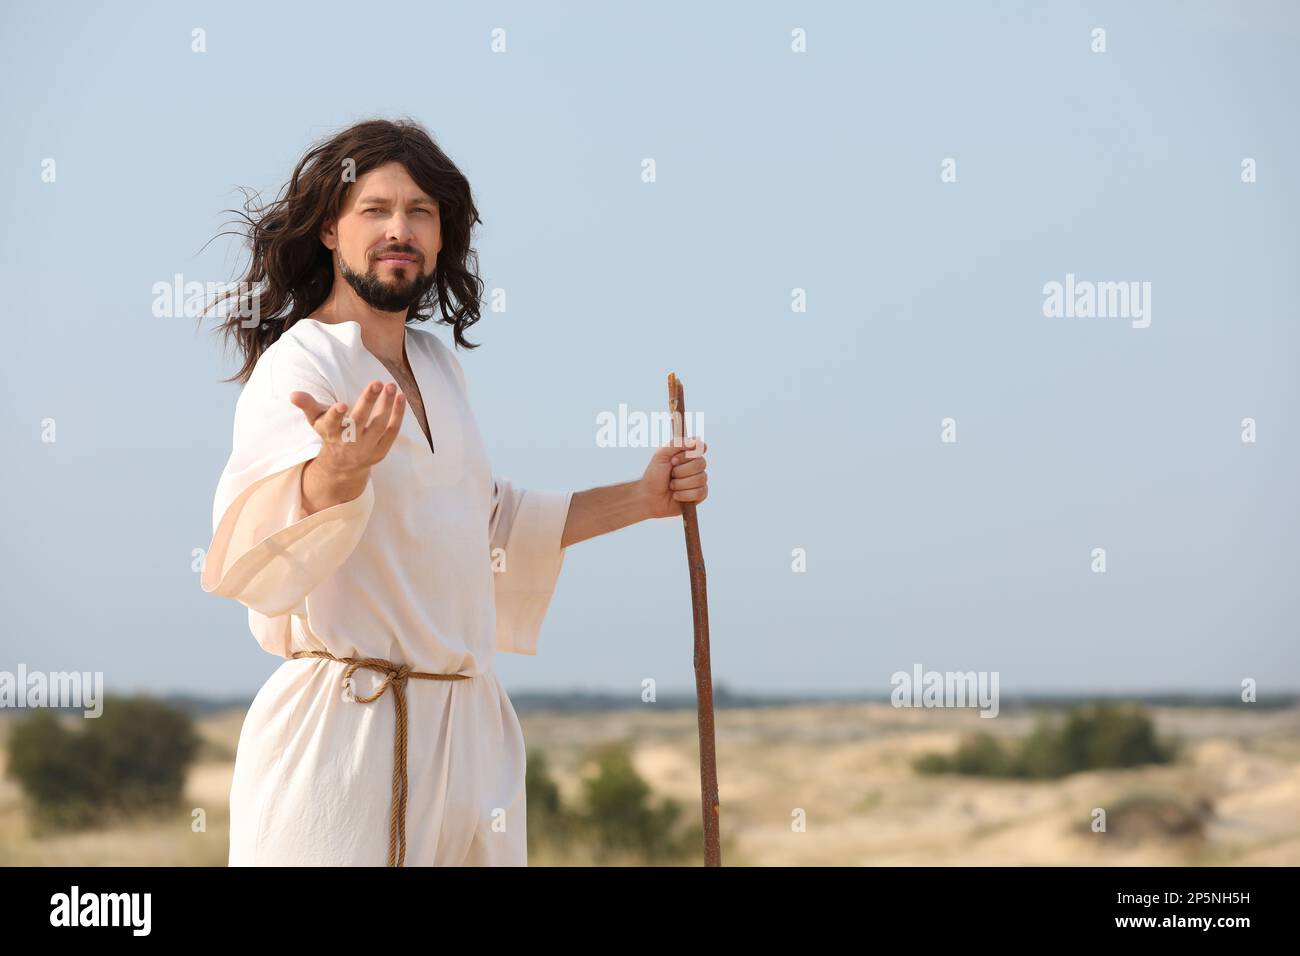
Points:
(376, 551)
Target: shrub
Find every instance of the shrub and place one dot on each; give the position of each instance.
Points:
(130, 760)
(1094, 737)
(1159, 816)
(619, 815)
(548, 819)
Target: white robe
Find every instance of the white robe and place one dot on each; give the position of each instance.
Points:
(410, 572)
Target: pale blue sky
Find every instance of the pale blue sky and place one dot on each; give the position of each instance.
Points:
(775, 171)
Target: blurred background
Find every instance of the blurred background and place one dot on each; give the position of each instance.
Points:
(836, 225)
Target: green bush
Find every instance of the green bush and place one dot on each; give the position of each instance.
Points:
(130, 760)
(620, 816)
(616, 821)
(1094, 737)
(548, 819)
(616, 817)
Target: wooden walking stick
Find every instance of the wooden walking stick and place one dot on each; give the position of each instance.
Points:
(703, 670)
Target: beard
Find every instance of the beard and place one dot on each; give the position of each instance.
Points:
(387, 295)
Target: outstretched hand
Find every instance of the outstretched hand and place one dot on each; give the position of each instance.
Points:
(355, 439)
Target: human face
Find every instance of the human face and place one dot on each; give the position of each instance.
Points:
(390, 228)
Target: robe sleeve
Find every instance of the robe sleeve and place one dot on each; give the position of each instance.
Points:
(265, 552)
(526, 526)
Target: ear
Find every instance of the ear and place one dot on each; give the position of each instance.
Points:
(329, 234)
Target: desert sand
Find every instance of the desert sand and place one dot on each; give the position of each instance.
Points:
(832, 784)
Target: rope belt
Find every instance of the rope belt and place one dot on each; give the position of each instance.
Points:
(395, 675)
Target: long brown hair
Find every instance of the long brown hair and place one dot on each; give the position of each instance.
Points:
(290, 271)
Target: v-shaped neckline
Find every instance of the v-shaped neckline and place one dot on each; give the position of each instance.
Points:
(406, 351)
(408, 362)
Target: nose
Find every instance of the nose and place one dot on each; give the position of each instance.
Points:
(399, 228)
